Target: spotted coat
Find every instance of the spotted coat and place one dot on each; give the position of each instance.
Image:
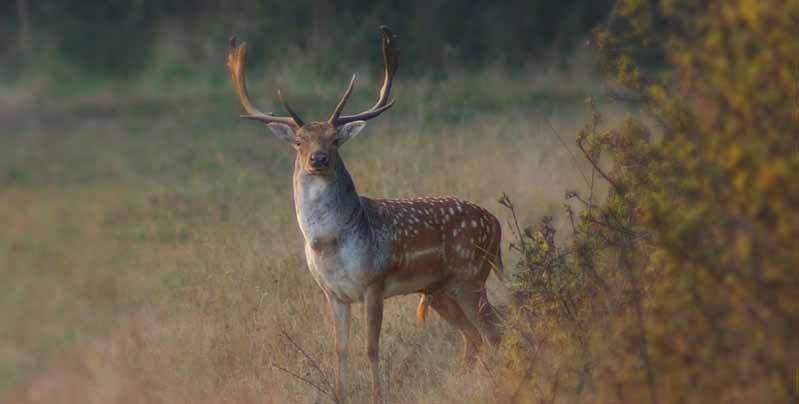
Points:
(433, 240)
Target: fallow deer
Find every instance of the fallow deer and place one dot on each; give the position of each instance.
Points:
(360, 249)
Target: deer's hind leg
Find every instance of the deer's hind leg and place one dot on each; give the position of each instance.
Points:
(473, 301)
(449, 309)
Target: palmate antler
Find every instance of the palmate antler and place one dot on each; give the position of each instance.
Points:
(391, 61)
(236, 58)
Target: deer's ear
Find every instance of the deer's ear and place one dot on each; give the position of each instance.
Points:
(349, 130)
(282, 131)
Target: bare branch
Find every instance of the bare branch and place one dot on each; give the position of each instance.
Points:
(313, 362)
(300, 378)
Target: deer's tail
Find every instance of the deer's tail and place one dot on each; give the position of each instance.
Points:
(422, 308)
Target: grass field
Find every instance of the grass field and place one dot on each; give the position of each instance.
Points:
(149, 251)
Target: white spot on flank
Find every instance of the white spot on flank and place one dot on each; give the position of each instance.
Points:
(412, 255)
(474, 224)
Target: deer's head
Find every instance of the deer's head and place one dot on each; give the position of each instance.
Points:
(316, 143)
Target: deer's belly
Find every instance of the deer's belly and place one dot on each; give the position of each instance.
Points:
(414, 270)
(341, 270)
(406, 283)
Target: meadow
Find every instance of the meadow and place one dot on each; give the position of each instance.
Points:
(150, 253)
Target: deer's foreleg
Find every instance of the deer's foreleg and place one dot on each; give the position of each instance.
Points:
(373, 306)
(341, 321)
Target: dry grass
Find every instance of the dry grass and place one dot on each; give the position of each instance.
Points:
(149, 251)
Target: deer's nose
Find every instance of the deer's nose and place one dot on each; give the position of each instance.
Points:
(319, 160)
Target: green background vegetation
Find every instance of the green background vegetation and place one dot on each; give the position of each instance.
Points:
(121, 37)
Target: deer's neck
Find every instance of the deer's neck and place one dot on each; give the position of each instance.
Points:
(328, 207)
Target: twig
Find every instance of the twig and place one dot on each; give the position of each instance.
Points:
(615, 186)
(617, 228)
(574, 158)
(593, 171)
(505, 200)
(298, 377)
(314, 364)
(629, 99)
(587, 203)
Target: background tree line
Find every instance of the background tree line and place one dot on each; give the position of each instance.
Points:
(118, 37)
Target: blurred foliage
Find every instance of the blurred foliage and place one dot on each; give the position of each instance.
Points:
(682, 285)
(121, 37)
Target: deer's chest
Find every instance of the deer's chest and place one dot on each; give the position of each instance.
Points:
(341, 266)
(338, 249)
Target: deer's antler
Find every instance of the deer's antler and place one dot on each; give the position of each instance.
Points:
(391, 61)
(236, 58)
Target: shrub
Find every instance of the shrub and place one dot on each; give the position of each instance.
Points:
(681, 286)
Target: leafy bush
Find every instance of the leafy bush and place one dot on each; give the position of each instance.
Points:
(681, 286)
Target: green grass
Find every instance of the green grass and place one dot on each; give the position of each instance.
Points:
(149, 251)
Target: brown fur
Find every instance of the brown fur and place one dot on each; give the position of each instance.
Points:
(422, 308)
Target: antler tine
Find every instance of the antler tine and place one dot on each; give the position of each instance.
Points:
(236, 58)
(337, 112)
(291, 112)
(391, 61)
